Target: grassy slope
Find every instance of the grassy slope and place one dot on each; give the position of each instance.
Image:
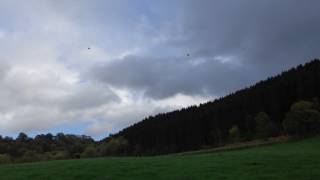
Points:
(294, 160)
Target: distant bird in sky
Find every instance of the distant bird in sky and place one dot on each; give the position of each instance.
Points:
(89, 48)
(188, 54)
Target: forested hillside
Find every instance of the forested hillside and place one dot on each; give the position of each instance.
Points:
(209, 124)
(284, 104)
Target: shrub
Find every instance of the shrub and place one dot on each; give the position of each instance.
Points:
(30, 156)
(264, 126)
(46, 156)
(59, 155)
(261, 120)
(302, 105)
(234, 134)
(4, 159)
(89, 151)
(116, 145)
(302, 119)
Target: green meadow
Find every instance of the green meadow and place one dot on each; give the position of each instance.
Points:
(291, 160)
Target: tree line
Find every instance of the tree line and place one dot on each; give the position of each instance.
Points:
(46, 147)
(211, 123)
(284, 104)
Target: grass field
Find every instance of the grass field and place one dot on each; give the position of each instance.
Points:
(292, 160)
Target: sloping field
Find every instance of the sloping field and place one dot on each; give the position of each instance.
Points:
(292, 160)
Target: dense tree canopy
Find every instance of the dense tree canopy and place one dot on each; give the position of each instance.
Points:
(43, 147)
(208, 124)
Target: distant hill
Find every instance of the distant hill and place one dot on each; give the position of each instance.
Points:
(208, 124)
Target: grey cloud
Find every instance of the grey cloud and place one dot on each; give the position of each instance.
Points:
(162, 78)
(260, 38)
(4, 69)
(88, 96)
(274, 34)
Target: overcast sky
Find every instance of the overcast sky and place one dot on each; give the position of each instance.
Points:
(94, 67)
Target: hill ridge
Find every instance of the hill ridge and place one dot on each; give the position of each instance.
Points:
(207, 124)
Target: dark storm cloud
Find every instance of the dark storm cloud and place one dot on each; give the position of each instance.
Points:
(271, 33)
(161, 78)
(232, 44)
